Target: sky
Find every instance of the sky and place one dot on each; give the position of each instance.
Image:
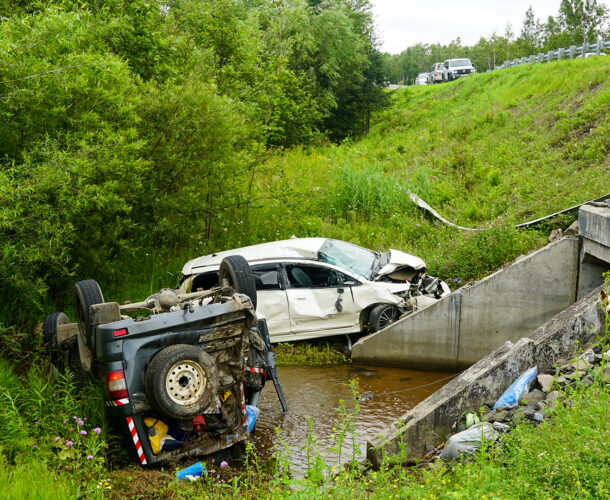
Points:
(401, 23)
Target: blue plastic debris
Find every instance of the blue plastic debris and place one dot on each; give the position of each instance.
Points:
(251, 414)
(192, 472)
(511, 395)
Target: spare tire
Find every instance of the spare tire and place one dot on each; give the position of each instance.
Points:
(49, 334)
(181, 381)
(235, 272)
(86, 294)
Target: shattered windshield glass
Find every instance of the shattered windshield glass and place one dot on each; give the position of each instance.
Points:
(347, 256)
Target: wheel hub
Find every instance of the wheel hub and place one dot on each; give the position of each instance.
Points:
(185, 383)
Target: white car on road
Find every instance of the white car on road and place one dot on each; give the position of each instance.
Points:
(317, 287)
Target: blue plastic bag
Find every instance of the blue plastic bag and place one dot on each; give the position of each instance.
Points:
(192, 472)
(511, 395)
(251, 415)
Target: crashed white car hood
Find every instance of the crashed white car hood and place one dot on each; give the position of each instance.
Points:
(399, 260)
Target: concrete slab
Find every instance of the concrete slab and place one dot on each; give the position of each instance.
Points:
(486, 380)
(474, 320)
(594, 224)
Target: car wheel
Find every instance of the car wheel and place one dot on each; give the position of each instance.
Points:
(381, 316)
(181, 381)
(86, 294)
(49, 334)
(235, 272)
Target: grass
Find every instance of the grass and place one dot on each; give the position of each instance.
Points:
(311, 353)
(567, 456)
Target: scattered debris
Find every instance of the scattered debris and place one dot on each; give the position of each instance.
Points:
(519, 403)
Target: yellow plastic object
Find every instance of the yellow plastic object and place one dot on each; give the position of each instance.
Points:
(156, 430)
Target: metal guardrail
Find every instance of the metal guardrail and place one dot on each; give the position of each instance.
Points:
(563, 53)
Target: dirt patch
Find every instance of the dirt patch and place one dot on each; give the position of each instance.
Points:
(137, 482)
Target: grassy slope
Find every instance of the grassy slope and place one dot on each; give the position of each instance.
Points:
(489, 150)
(492, 149)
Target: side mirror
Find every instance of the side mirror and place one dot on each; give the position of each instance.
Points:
(340, 290)
(446, 65)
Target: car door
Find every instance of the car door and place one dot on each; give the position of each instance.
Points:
(271, 298)
(317, 299)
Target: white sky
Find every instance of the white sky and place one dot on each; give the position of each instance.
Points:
(401, 23)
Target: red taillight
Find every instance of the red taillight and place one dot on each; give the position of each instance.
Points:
(117, 387)
(119, 333)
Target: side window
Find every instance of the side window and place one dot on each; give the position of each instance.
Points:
(347, 280)
(266, 277)
(311, 276)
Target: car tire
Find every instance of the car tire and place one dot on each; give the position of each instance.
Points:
(181, 381)
(381, 316)
(86, 294)
(49, 334)
(235, 272)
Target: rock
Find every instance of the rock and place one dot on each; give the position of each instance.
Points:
(551, 399)
(541, 406)
(518, 416)
(545, 381)
(572, 230)
(580, 364)
(429, 447)
(606, 375)
(489, 416)
(588, 356)
(533, 397)
(562, 381)
(500, 416)
(555, 235)
(581, 373)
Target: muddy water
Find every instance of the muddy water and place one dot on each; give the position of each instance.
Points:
(315, 392)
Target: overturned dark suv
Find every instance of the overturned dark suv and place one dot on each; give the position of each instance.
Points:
(182, 372)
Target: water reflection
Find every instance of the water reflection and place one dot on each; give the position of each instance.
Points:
(315, 392)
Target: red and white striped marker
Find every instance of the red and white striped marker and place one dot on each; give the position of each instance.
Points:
(136, 440)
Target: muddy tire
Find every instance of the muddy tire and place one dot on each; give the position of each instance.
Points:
(181, 381)
(235, 272)
(381, 316)
(86, 294)
(49, 334)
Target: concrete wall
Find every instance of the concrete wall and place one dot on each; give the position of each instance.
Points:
(486, 380)
(463, 327)
(594, 225)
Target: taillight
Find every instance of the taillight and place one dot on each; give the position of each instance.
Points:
(117, 387)
(119, 333)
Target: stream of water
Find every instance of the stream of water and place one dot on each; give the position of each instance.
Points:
(315, 391)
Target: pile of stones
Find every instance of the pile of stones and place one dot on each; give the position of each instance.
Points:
(549, 388)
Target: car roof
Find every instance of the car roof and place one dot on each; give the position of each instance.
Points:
(295, 248)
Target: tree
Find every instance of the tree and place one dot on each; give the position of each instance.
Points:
(583, 19)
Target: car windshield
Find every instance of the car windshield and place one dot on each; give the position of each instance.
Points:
(347, 256)
(422, 75)
(460, 62)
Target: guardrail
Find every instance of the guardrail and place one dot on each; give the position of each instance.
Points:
(563, 53)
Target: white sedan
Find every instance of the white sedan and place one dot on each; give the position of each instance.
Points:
(316, 287)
